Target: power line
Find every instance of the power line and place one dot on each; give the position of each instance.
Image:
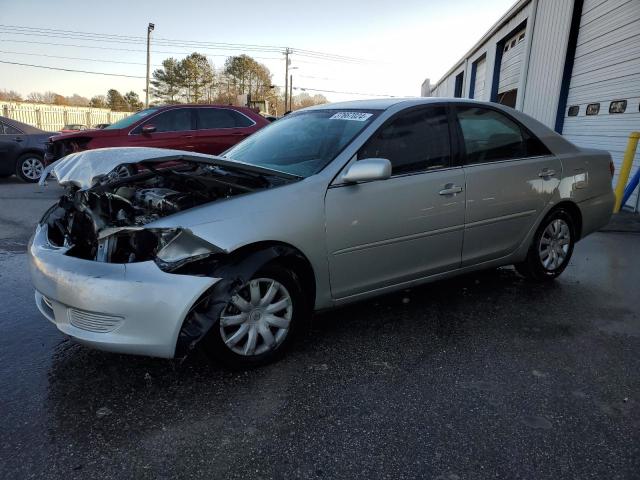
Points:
(71, 70)
(111, 38)
(124, 49)
(77, 58)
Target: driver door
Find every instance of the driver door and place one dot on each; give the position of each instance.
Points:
(386, 232)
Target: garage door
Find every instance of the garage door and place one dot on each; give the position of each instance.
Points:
(511, 64)
(481, 73)
(606, 70)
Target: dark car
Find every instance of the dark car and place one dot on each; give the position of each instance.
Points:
(195, 128)
(22, 149)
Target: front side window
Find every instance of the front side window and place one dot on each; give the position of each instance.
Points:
(415, 141)
(302, 143)
(212, 118)
(491, 136)
(177, 120)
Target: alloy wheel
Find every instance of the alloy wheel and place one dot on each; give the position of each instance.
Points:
(257, 318)
(553, 247)
(32, 168)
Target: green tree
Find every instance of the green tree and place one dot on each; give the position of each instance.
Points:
(197, 77)
(98, 101)
(133, 100)
(115, 101)
(168, 81)
(245, 75)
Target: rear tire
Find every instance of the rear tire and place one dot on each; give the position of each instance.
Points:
(29, 167)
(551, 248)
(259, 339)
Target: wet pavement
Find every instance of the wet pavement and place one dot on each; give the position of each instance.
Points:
(485, 376)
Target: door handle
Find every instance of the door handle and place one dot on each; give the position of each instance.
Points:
(450, 189)
(187, 136)
(239, 134)
(18, 139)
(546, 173)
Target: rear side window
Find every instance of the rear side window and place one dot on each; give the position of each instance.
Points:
(211, 118)
(9, 130)
(491, 136)
(415, 141)
(171, 121)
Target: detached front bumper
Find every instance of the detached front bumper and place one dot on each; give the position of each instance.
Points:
(127, 308)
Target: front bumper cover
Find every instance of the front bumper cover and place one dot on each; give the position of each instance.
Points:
(131, 308)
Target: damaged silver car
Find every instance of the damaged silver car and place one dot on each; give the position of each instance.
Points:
(327, 206)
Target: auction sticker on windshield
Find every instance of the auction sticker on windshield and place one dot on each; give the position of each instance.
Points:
(357, 116)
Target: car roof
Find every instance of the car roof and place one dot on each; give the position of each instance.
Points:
(385, 103)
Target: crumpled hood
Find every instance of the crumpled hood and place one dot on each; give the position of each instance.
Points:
(84, 169)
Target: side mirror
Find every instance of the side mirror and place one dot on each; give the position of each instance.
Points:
(367, 170)
(147, 129)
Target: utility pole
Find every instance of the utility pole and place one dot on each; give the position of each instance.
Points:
(286, 76)
(150, 28)
(290, 92)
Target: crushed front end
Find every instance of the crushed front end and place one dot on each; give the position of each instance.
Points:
(104, 276)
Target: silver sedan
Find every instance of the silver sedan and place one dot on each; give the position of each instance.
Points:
(327, 206)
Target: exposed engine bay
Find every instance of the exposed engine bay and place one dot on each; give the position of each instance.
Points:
(106, 222)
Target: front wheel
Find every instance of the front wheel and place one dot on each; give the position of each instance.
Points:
(551, 249)
(258, 324)
(29, 167)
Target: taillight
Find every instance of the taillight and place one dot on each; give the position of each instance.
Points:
(612, 168)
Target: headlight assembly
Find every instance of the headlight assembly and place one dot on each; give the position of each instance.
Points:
(170, 248)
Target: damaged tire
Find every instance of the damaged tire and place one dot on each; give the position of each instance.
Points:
(259, 323)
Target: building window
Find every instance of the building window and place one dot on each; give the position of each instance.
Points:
(573, 111)
(618, 106)
(593, 108)
(513, 43)
(521, 37)
(506, 47)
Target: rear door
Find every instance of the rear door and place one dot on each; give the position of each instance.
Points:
(510, 177)
(221, 128)
(174, 128)
(386, 232)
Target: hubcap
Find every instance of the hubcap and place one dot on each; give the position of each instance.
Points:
(32, 168)
(257, 318)
(554, 244)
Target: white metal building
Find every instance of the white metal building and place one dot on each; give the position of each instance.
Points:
(572, 64)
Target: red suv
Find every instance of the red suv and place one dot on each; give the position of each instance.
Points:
(196, 128)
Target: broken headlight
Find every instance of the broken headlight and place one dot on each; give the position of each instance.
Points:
(169, 248)
(180, 247)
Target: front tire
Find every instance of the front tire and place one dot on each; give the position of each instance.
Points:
(551, 249)
(29, 167)
(260, 322)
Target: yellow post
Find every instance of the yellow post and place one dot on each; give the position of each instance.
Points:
(627, 161)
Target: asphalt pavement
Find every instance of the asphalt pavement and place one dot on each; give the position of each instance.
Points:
(484, 376)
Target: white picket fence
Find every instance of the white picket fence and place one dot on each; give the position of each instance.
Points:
(54, 117)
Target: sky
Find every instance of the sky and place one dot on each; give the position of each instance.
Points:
(401, 42)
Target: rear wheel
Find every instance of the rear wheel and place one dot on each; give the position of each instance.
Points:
(551, 249)
(29, 167)
(258, 324)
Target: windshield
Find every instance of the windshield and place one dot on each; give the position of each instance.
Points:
(131, 119)
(302, 143)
